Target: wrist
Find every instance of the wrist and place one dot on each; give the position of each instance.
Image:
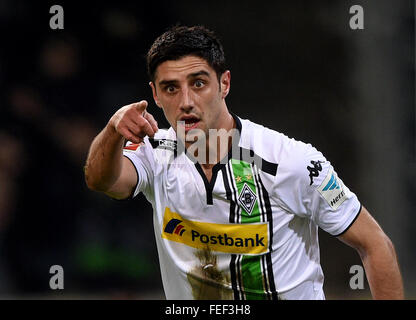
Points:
(111, 131)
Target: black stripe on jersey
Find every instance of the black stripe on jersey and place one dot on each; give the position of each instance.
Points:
(234, 215)
(269, 254)
(239, 277)
(209, 185)
(230, 194)
(269, 167)
(264, 165)
(265, 277)
(231, 220)
(265, 270)
(259, 192)
(234, 276)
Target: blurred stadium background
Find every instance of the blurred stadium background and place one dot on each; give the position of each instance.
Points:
(297, 67)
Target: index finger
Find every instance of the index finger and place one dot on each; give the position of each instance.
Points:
(140, 106)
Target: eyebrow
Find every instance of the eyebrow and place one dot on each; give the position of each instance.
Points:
(189, 76)
(197, 74)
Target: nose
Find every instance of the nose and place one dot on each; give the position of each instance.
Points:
(187, 103)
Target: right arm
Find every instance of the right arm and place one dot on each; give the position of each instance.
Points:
(106, 169)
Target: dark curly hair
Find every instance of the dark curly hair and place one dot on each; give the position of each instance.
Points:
(181, 41)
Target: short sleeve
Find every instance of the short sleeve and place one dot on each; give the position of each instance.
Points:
(141, 155)
(308, 186)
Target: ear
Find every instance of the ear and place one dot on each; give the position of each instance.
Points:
(152, 85)
(225, 83)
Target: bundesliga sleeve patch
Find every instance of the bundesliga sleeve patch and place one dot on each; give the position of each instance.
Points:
(133, 146)
(333, 190)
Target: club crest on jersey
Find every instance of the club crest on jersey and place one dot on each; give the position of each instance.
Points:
(247, 199)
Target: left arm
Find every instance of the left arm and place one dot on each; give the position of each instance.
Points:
(378, 256)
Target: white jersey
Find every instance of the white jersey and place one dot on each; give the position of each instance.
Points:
(252, 231)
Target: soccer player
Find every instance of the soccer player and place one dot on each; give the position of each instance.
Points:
(236, 205)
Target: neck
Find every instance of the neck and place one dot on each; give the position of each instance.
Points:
(219, 141)
(210, 147)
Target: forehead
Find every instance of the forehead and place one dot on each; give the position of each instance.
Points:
(181, 68)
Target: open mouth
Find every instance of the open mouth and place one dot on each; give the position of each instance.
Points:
(190, 122)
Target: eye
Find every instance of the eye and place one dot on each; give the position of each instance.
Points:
(170, 89)
(199, 83)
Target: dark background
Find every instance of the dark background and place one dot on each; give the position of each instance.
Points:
(296, 67)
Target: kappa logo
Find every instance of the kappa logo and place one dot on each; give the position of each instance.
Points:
(314, 171)
(174, 226)
(247, 199)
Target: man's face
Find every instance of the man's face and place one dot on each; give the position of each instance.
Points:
(188, 90)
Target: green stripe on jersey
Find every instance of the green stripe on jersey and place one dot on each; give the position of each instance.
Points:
(243, 175)
(252, 276)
